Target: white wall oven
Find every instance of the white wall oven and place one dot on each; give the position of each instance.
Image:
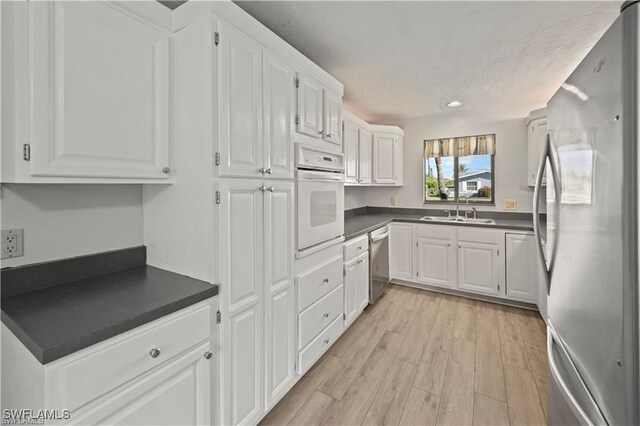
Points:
(320, 197)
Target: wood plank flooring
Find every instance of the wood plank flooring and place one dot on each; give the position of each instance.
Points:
(423, 358)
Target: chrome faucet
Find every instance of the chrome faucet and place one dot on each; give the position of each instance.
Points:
(475, 212)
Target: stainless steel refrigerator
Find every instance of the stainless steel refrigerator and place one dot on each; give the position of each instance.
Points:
(591, 259)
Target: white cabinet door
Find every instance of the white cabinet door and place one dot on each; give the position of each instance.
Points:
(478, 267)
(310, 112)
(363, 282)
(332, 117)
(240, 104)
(536, 136)
(384, 149)
(522, 270)
(177, 393)
(350, 150)
(279, 304)
(241, 300)
(278, 104)
(399, 160)
(435, 262)
(365, 142)
(100, 93)
(400, 251)
(351, 278)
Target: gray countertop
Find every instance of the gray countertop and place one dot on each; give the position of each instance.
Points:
(358, 225)
(59, 320)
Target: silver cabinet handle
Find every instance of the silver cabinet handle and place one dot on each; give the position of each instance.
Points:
(271, 189)
(268, 171)
(326, 341)
(155, 353)
(359, 247)
(208, 355)
(321, 132)
(166, 170)
(325, 315)
(326, 280)
(262, 170)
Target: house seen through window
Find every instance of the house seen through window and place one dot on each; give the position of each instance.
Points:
(450, 176)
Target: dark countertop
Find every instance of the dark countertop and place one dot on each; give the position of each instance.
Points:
(357, 225)
(61, 319)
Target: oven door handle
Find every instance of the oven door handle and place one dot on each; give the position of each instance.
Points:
(318, 176)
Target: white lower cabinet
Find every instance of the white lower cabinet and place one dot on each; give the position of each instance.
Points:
(120, 381)
(478, 268)
(522, 271)
(356, 278)
(400, 251)
(435, 262)
(256, 270)
(487, 261)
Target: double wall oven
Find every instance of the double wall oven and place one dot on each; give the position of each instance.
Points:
(320, 197)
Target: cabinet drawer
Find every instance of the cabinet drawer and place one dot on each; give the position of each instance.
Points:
(356, 247)
(319, 315)
(84, 376)
(478, 235)
(319, 345)
(441, 232)
(316, 283)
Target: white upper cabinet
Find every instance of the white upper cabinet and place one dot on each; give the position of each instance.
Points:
(91, 95)
(310, 115)
(384, 158)
(536, 138)
(240, 104)
(278, 101)
(522, 270)
(365, 140)
(332, 117)
(350, 150)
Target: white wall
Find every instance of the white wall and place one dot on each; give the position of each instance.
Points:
(510, 161)
(354, 197)
(62, 221)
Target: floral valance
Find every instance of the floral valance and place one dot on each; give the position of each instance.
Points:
(460, 147)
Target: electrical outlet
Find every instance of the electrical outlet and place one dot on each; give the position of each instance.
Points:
(393, 202)
(12, 243)
(510, 205)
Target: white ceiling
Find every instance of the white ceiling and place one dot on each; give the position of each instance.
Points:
(406, 59)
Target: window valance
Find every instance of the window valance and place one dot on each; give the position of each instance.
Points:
(461, 146)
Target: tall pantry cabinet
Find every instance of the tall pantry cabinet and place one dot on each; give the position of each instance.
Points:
(229, 217)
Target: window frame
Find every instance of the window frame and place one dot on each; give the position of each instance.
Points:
(456, 184)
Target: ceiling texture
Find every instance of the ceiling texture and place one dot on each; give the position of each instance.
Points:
(399, 59)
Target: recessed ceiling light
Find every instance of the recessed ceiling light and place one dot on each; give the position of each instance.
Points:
(454, 104)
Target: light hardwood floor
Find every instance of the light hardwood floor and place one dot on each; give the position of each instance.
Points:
(423, 358)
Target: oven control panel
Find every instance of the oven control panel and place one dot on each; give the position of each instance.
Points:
(314, 159)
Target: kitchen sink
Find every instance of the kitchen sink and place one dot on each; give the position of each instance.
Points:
(457, 219)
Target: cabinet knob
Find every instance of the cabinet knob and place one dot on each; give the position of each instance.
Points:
(326, 315)
(262, 170)
(166, 170)
(326, 280)
(321, 132)
(270, 189)
(208, 355)
(359, 247)
(155, 353)
(268, 171)
(326, 341)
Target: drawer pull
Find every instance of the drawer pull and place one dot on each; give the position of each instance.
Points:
(155, 352)
(208, 355)
(359, 247)
(326, 315)
(326, 341)
(326, 280)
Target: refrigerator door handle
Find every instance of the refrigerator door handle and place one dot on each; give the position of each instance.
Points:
(546, 154)
(564, 388)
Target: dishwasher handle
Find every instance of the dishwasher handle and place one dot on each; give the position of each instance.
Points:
(379, 237)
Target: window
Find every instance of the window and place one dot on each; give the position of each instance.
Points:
(468, 177)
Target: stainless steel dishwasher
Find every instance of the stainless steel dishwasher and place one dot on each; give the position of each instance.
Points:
(378, 263)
